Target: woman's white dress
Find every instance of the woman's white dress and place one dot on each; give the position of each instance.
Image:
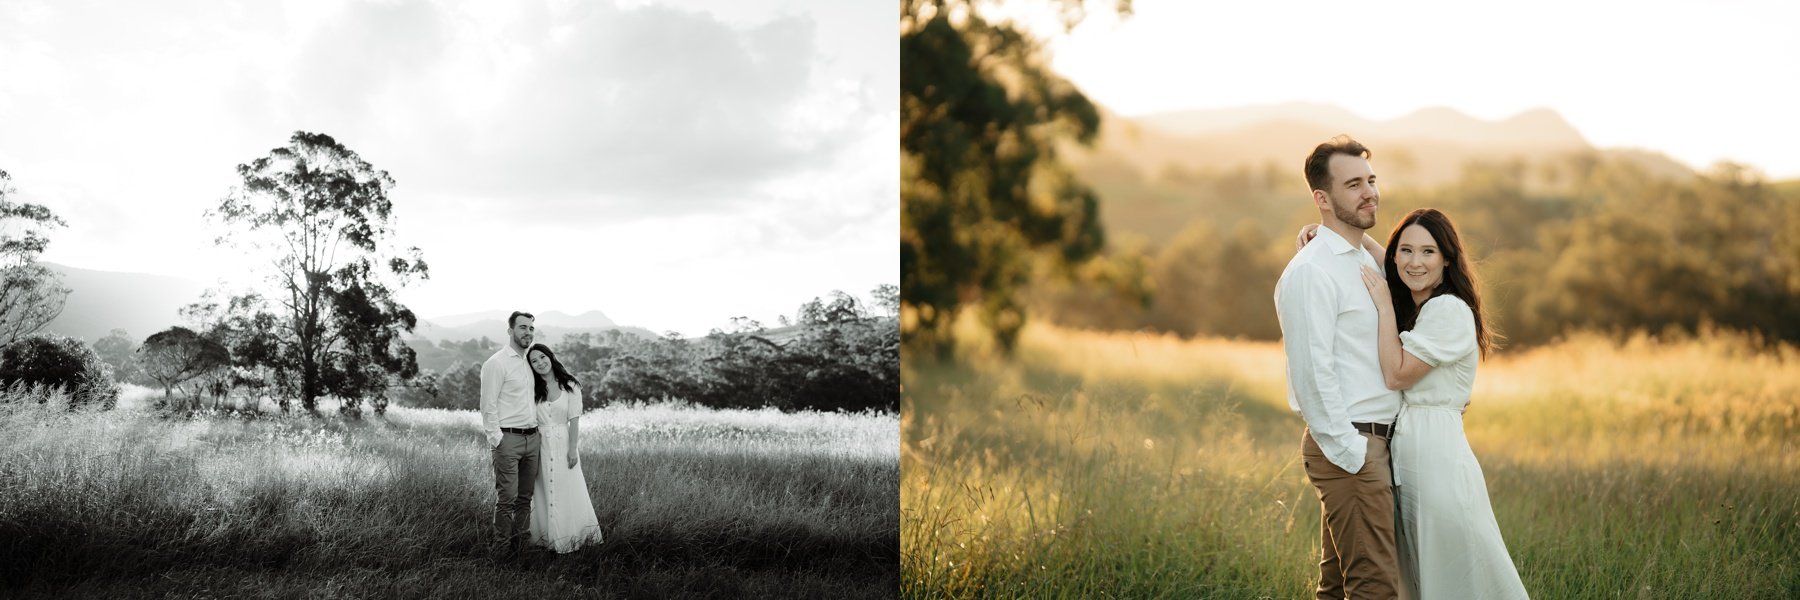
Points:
(562, 514)
(1450, 544)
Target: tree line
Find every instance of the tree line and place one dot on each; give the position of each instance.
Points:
(1563, 243)
(325, 321)
(838, 355)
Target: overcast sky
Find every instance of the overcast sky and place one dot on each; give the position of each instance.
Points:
(1699, 80)
(673, 164)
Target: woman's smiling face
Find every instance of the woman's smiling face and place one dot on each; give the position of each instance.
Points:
(540, 363)
(1418, 259)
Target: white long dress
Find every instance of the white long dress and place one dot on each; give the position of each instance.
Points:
(562, 514)
(1450, 544)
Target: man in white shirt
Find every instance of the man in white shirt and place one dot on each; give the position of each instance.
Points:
(1328, 330)
(509, 418)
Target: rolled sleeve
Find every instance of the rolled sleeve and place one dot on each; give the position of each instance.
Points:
(1443, 333)
(491, 378)
(1307, 307)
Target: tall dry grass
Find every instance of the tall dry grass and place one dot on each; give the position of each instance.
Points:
(1139, 466)
(693, 502)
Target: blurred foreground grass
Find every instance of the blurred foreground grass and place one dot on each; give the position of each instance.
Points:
(1117, 465)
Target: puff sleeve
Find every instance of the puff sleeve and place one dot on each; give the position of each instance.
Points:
(571, 401)
(1443, 333)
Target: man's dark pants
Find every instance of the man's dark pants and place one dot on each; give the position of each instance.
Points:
(515, 475)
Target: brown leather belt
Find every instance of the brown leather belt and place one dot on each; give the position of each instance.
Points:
(1376, 429)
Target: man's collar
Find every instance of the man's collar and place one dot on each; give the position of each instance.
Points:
(1335, 242)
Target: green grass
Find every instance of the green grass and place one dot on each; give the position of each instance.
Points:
(693, 503)
(1135, 466)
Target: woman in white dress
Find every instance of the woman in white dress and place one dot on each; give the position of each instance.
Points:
(562, 515)
(1430, 344)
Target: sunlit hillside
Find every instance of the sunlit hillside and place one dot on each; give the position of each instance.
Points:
(1159, 172)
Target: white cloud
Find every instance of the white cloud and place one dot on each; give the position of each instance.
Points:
(652, 156)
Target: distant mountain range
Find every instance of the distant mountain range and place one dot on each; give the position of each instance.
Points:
(1426, 147)
(142, 304)
(551, 326)
(101, 301)
(1157, 175)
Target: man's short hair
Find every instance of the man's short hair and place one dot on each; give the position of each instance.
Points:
(1318, 164)
(513, 320)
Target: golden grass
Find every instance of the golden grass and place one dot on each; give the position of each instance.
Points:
(1101, 464)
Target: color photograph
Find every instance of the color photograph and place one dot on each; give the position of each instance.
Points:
(1316, 299)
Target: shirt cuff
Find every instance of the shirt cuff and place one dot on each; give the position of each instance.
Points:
(1350, 454)
(493, 438)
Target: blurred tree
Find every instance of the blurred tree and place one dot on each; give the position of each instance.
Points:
(1216, 283)
(589, 356)
(460, 387)
(371, 347)
(421, 391)
(746, 325)
(63, 363)
(982, 187)
(1588, 240)
(321, 214)
(1110, 291)
(843, 308)
(840, 359)
(445, 354)
(634, 378)
(1660, 254)
(581, 352)
(249, 331)
(177, 355)
(887, 298)
(736, 371)
(1188, 283)
(456, 388)
(31, 295)
(119, 351)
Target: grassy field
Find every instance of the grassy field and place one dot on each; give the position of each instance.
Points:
(693, 503)
(1135, 466)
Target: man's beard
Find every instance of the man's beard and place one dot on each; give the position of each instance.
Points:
(1351, 217)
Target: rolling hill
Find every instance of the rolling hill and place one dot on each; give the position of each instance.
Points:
(101, 301)
(1158, 173)
(551, 326)
(1426, 147)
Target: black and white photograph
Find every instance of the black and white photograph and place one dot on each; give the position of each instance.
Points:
(449, 299)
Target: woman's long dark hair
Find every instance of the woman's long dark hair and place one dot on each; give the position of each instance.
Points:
(1459, 277)
(563, 378)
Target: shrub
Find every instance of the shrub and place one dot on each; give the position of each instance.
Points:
(62, 363)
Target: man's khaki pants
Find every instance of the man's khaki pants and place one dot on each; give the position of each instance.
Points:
(1360, 557)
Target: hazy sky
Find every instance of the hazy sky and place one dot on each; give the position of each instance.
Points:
(673, 164)
(1698, 80)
